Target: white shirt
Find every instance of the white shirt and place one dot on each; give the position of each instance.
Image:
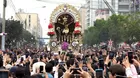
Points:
(36, 67)
(8, 66)
(131, 72)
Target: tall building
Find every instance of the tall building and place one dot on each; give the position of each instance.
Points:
(126, 6)
(31, 23)
(101, 4)
(102, 14)
(92, 6)
(82, 12)
(119, 6)
(89, 13)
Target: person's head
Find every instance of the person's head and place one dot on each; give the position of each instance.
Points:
(56, 55)
(20, 72)
(21, 60)
(117, 71)
(49, 67)
(7, 55)
(60, 73)
(43, 58)
(35, 60)
(13, 71)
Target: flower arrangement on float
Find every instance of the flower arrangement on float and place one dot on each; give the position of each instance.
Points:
(64, 46)
(77, 29)
(51, 30)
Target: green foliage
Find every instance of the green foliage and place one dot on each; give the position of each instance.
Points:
(119, 28)
(17, 34)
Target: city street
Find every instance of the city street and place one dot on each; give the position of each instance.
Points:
(69, 39)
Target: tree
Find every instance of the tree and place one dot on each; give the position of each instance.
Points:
(119, 28)
(114, 26)
(17, 34)
(132, 28)
(27, 37)
(14, 31)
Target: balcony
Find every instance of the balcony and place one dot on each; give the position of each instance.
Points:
(88, 15)
(124, 3)
(123, 10)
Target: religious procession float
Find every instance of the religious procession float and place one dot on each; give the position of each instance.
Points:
(65, 28)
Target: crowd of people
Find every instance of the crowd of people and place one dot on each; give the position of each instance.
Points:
(86, 63)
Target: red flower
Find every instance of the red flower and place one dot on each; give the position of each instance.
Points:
(51, 33)
(77, 32)
(77, 24)
(50, 26)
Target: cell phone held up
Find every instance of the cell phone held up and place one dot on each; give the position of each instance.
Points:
(41, 69)
(101, 63)
(75, 70)
(111, 55)
(130, 57)
(99, 73)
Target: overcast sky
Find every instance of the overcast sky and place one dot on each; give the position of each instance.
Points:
(34, 6)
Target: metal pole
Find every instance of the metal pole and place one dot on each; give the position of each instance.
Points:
(3, 26)
(129, 6)
(134, 6)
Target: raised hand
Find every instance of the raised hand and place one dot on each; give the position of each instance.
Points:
(68, 73)
(107, 60)
(136, 62)
(126, 62)
(83, 73)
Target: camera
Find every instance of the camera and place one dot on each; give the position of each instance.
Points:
(99, 73)
(41, 69)
(130, 57)
(111, 55)
(75, 70)
(101, 63)
(61, 66)
(62, 63)
(85, 68)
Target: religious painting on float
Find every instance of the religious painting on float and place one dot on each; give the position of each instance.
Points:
(64, 27)
(65, 23)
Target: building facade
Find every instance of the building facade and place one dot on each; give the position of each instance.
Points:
(82, 12)
(102, 14)
(31, 23)
(89, 13)
(92, 7)
(126, 6)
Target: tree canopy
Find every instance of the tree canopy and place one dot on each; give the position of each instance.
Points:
(119, 28)
(16, 34)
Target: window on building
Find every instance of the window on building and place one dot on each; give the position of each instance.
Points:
(88, 24)
(107, 12)
(102, 12)
(29, 16)
(29, 25)
(125, 7)
(29, 20)
(123, 0)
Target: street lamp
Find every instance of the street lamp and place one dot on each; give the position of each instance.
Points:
(3, 25)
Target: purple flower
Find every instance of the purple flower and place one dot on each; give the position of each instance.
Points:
(64, 46)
